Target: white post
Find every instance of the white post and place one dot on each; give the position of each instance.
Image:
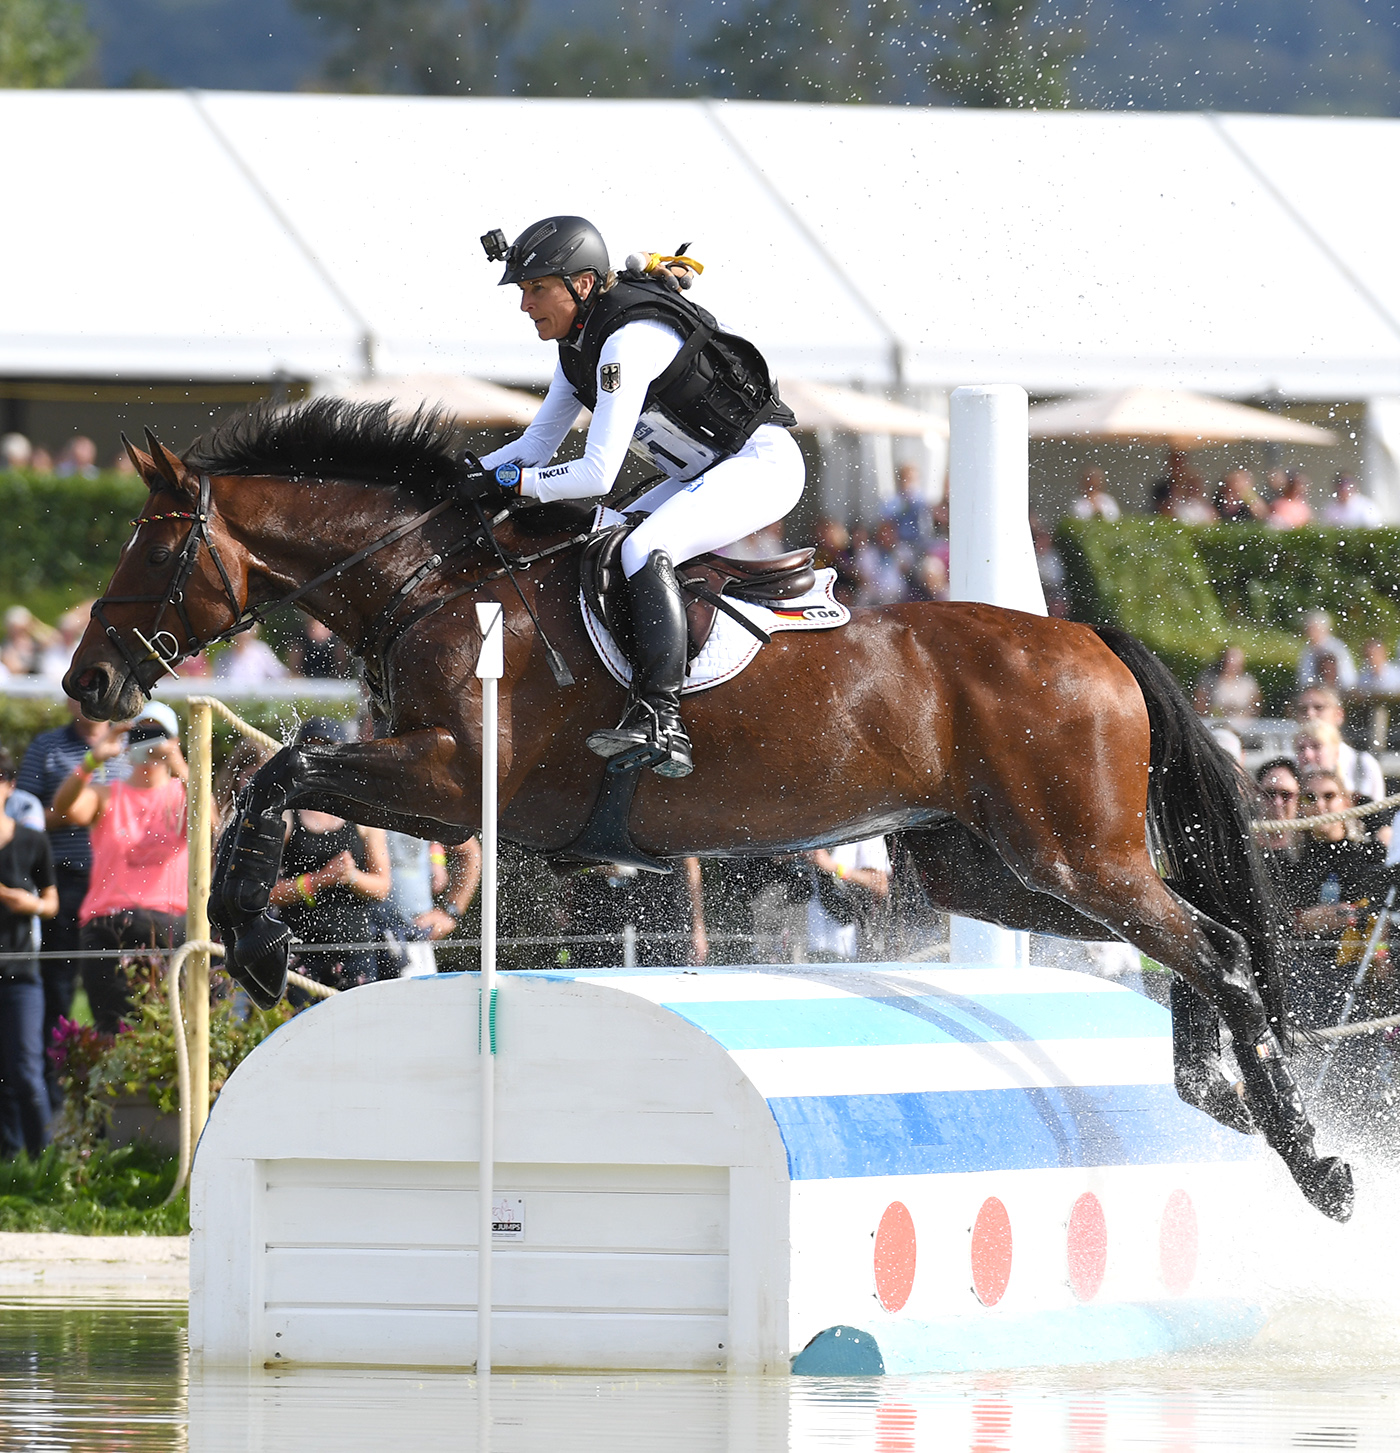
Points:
(490, 665)
(991, 558)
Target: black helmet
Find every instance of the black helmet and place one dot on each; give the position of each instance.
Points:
(554, 247)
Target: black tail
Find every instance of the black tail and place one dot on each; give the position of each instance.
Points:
(1198, 806)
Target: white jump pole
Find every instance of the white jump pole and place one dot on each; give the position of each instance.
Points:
(991, 558)
(490, 666)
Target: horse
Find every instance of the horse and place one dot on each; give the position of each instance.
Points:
(1041, 770)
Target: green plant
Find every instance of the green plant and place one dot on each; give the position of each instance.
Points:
(97, 1192)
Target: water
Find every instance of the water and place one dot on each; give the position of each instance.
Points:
(1323, 1374)
(114, 1376)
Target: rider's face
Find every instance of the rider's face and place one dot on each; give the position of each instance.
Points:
(549, 305)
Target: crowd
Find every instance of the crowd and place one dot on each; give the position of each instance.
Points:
(33, 648)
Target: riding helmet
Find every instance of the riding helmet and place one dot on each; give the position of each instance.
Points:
(556, 247)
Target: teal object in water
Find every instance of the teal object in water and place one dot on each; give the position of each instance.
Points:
(840, 1352)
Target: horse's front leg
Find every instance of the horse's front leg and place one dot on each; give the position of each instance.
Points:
(368, 782)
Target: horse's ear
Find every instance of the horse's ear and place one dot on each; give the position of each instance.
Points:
(151, 477)
(170, 467)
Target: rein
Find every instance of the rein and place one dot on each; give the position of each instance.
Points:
(164, 649)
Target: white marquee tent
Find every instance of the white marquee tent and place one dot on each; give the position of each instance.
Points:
(219, 236)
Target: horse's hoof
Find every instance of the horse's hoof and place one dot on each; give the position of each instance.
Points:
(257, 959)
(1327, 1184)
(1217, 1097)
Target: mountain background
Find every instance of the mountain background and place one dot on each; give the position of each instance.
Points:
(1339, 57)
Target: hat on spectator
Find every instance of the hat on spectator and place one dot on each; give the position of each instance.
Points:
(155, 719)
(322, 729)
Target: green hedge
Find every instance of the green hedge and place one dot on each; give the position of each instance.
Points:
(1188, 591)
(61, 537)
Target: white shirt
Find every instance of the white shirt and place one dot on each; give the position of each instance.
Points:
(1357, 511)
(1360, 771)
(640, 352)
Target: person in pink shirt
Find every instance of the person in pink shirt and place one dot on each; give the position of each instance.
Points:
(136, 897)
(1291, 509)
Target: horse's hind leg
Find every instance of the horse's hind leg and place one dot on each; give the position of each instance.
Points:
(963, 873)
(1214, 961)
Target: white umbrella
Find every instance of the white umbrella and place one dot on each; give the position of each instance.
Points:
(847, 411)
(472, 402)
(1173, 417)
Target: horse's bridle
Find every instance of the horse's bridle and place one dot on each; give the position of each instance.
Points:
(163, 648)
(156, 646)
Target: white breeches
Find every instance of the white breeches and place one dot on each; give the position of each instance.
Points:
(753, 488)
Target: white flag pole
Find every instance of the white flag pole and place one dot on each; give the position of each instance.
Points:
(490, 666)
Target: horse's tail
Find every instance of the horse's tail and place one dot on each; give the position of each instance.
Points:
(1198, 805)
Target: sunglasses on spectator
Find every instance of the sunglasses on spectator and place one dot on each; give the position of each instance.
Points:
(1280, 792)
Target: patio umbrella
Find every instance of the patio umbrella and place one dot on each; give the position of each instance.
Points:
(472, 402)
(1173, 417)
(847, 411)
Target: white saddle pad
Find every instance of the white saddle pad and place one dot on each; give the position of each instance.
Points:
(730, 647)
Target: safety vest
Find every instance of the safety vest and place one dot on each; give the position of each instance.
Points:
(711, 397)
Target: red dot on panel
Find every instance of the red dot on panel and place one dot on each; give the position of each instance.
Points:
(991, 1252)
(1086, 1247)
(1179, 1242)
(895, 1255)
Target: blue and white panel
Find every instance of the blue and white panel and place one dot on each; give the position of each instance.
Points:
(988, 1167)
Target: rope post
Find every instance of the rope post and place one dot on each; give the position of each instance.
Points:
(197, 913)
(490, 666)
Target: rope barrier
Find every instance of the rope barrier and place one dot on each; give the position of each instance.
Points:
(1362, 1026)
(236, 722)
(1326, 819)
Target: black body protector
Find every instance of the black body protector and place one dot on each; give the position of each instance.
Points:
(710, 399)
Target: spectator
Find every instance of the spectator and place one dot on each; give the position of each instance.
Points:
(27, 890)
(1379, 674)
(16, 452)
(25, 639)
(1348, 507)
(1227, 689)
(41, 461)
(136, 898)
(1327, 891)
(882, 563)
(834, 552)
(1228, 742)
(1237, 501)
(411, 918)
(332, 870)
(909, 510)
(1094, 502)
(1187, 502)
(79, 458)
(1361, 772)
(1051, 568)
(49, 760)
(249, 661)
(1279, 796)
(58, 654)
(930, 579)
(1317, 630)
(319, 654)
(852, 883)
(1291, 509)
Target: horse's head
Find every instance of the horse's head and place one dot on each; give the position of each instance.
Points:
(173, 591)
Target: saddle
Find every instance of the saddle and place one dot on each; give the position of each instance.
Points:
(706, 580)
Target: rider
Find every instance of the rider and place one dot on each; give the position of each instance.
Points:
(698, 403)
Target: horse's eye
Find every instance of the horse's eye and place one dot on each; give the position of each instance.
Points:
(159, 555)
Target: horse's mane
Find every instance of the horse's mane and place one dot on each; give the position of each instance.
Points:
(334, 439)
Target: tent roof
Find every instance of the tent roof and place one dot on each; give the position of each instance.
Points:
(233, 235)
(1174, 417)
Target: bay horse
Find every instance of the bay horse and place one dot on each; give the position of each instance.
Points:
(1039, 768)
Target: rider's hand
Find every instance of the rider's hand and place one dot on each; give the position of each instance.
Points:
(477, 482)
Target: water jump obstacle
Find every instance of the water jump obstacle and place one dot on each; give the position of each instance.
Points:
(892, 1168)
(835, 1170)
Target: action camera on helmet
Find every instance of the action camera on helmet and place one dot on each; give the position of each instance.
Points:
(495, 245)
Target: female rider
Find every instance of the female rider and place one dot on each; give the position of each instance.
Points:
(698, 403)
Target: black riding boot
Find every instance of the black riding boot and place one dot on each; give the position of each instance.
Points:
(650, 732)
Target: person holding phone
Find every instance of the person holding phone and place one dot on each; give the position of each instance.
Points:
(137, 893)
